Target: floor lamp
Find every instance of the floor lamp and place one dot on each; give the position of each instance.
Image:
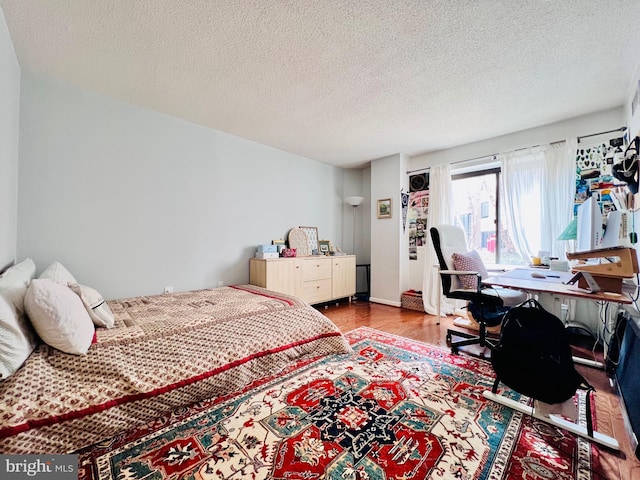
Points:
(354, 201)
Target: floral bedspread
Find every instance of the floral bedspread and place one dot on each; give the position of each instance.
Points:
(166, 352)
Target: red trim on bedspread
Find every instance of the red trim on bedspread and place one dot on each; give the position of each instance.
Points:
(286, 300)
(23, 427)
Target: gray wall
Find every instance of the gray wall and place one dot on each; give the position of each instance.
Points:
(632, 105)
(389, 245)
(9, 115)
(131, 200)
(584, 125)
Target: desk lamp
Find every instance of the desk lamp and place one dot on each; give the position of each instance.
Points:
(571, 231)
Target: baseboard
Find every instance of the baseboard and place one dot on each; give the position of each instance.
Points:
(385, 302)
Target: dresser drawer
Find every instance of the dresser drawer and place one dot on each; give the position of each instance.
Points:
(316, 291)
(316, 279)
(316, 269)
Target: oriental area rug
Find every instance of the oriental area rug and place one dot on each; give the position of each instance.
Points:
(394, 409)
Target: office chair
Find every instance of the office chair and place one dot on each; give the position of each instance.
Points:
(489, 302)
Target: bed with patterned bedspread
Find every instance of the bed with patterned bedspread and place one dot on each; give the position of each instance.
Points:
(165, 351)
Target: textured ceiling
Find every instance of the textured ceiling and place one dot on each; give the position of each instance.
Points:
(341, 81)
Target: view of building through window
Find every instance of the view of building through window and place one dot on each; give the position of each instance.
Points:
(475, 201)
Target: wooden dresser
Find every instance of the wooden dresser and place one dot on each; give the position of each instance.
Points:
(314, 279)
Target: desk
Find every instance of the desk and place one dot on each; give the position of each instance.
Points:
(552, 283)
(521, 279)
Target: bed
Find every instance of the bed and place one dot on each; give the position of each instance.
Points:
(164, 352)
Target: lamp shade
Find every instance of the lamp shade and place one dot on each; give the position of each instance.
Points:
(354, 201)
(571, 232)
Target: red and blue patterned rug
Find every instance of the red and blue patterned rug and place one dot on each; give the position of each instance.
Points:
(394, 409)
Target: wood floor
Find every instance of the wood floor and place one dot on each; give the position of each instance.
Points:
(621, 465)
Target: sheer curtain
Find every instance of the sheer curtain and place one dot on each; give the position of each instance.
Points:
(440, 212)
(522, 177)
(538, 186)
(560, 172)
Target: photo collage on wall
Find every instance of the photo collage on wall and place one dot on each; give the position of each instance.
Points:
(594, 176)
(418, 209)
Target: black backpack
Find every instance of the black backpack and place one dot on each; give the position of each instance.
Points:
(533, 356)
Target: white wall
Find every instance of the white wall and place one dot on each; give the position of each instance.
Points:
(584, 125)
(9, 121)
(131, 200)
(364, 218)
(358, 182)
(352, 186)
(389, 246)
(633, 96)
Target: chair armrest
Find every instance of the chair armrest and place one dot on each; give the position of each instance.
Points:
(464, 272)
(458, 272)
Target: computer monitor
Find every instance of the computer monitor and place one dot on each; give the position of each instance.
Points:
(589, 226)
(617, 230)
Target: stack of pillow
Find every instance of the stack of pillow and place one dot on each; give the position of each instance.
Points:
(53, 307)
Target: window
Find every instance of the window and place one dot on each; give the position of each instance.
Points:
(478, 211)
(484, 210)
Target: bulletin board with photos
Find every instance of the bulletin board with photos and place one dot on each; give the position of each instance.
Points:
(594, 174)
(417, 221)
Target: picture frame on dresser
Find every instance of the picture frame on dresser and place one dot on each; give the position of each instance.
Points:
(324, 247)
(312, 237)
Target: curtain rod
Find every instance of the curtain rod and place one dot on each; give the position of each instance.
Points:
(492, 156)
(621, 129)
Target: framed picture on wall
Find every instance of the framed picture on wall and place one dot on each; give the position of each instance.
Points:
(384, 208)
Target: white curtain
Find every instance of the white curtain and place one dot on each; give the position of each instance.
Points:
(558, 198)
(538, 186)
(522, 177)
(440, 212)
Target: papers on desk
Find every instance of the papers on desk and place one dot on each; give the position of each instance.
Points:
(550, 276)
(521, 279)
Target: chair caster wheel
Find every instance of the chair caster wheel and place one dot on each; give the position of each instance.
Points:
(454, 351)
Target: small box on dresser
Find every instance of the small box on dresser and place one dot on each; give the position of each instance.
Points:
(267, 255)
(267, 248)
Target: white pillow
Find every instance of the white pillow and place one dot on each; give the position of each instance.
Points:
(95, 304)
(17, 339)
(59, 317)
(14, 283)
(57, 273)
